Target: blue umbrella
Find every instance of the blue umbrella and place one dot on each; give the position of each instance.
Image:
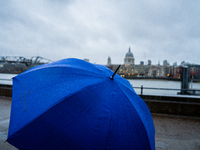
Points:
(74, 104)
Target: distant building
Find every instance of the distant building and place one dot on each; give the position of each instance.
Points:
(129, 59)
(183, 63)
(141, 62)
(131, 70)
(175, 64)
(177, 71)
(109, 61)
(165, 63)
(194, 71)
(86, 59)
(149, 62)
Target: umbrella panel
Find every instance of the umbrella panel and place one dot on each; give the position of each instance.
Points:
(68, 124)
(31, 101)
(102, 119)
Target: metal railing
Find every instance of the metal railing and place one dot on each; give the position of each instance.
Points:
(193, 91)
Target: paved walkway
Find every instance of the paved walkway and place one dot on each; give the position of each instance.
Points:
(177, 133)
(5, 104)
(172, 132)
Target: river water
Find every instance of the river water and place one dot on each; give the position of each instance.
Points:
(159, 84)
(7, 79)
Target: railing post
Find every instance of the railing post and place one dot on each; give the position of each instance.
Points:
(141, 89)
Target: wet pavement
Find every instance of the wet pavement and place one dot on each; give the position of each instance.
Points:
(176, 132)
(5, 104)
(172, 132)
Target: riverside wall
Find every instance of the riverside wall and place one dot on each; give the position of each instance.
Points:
(173, 105)
(6, 90)
(177, 105)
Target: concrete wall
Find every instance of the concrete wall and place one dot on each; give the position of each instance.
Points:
(183, 106)
(6, 90)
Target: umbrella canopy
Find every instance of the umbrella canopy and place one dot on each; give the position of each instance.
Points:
(74, 104)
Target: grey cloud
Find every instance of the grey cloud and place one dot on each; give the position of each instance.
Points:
(98, 29)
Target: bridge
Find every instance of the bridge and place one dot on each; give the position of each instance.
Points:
(18, 64)
(19, 59)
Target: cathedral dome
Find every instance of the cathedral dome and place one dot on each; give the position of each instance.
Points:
(129, 59)
(129, 53)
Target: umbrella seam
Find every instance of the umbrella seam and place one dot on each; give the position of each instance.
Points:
(135, 109)
(126, 86)
(109, 123)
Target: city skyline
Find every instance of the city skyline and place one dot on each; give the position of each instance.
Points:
(155, 30)
(149, 61)
(144, 62)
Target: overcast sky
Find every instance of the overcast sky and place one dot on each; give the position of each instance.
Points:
(57, 29)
